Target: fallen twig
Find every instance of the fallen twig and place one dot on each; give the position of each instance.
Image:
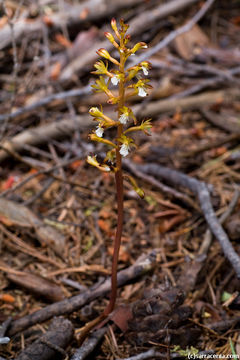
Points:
(211, 145)
(56, 338)
(47, 100)
(67, 306)
(152, 353)
(89, 345)
(164, 188)
(200, 189)
(138, 25)
(220, 122)
(162, 44)
(208, 235)
(71, 17)
(42, 134)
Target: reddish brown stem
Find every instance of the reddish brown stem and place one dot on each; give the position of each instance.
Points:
(117, 242)
(119, 189)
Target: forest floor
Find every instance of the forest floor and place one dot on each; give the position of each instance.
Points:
(179, 268)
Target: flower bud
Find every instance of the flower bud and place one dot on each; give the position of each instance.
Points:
(110, 37)
(94, 137)
(140, 192)
(94, 111)
(104, 53)
(114, 27)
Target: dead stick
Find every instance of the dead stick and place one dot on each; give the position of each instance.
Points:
(201, 190)
(47, 100)
(42, 134)
(67, 306)
(170, 37)
(89, 345)
(51, 344)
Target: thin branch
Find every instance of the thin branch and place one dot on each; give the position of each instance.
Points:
(47, 100)
(168, 39)
(200, 189)
(141, 266)
(89, 345)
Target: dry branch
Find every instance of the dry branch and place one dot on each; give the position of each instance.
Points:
(44, 133)
(51, 344)
(67, 306)
(89, 345)
(70, 17)
(188, 103)
(162, 44)
(200, 189)
(138, 25)
(47, 100)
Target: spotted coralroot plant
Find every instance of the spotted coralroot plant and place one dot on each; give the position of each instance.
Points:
(130, 82)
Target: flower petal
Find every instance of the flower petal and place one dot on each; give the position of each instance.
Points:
(142, 92)
(123, 119)
(99, 131)
(145, 70)
(124, 150)
(115, 80)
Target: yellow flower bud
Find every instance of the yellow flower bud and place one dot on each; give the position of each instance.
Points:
(110, 37)
(140, 192)
(114, 27)
(94, 111)
(104, 53)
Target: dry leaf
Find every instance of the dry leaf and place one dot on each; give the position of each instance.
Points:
(121, 316)
(55, 72)
(14, 214)
(63, 40)
(38, 285)
(123, 253)
(7, 298)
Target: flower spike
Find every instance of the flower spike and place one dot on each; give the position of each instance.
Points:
(121, 144)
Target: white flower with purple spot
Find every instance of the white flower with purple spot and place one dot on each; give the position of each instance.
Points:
(115, 80)
(99, 131)
(145, 70)
(123, 118)
(124, 150)
(142, 91)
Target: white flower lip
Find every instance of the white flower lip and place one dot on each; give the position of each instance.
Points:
(141, 91)
(99, 131)
(145, 70)
(123, 119)
(124, 150)
(115, 80)
(107, 168)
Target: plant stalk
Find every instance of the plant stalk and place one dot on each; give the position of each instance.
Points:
(119, 191)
